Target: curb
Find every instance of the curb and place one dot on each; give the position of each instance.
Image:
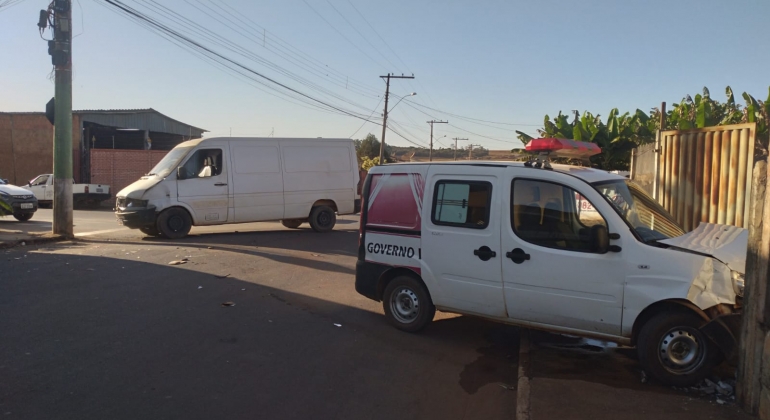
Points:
(522, 388)
(32, 241)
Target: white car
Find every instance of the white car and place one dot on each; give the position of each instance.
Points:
(17, 201)
(508, 242)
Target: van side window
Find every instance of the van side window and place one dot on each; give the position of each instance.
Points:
(553, 215)
(204, 163)
(462, 204)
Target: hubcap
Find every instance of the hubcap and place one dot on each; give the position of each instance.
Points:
(404, 305)
(682, 350)
(175, 223)
(324, 219)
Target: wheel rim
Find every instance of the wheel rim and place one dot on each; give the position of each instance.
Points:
(175, 223)
(682, 350)
(404, 305)
(324, 218)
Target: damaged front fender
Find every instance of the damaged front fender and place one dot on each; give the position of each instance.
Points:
(712, 286)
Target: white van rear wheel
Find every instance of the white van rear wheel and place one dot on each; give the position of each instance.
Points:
(407, 304)
(322, 219)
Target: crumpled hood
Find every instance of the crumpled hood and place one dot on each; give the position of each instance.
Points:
(138, 188)
(725, 243)
(14, 190)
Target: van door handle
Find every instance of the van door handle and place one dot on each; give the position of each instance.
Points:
(220, 184)
(517, 255)
(484, 253)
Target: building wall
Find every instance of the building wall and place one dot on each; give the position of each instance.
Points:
(119, 168)
(26, 146)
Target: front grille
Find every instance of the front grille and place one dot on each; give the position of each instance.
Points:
(22, 197)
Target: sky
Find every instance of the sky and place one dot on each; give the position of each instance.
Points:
(487, 67)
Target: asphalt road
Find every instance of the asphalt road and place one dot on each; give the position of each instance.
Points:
(105, 328)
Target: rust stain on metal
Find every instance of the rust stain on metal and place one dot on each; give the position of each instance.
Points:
(698, 174)
(732, 178)
(724, 177)
(716, 160)
(706, 188)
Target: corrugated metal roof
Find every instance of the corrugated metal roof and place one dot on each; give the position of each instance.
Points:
(142, 119)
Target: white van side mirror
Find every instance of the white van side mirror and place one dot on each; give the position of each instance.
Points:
(181, 173)
(600, 239)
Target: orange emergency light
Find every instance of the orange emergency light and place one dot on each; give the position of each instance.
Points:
(562, 148)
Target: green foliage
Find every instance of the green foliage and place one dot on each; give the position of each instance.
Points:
(5, 208)
(368, 163)
(369, 148)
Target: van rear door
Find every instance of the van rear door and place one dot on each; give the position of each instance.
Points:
(461, 238)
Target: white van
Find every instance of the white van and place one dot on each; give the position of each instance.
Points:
(508, 241)
(239, 180)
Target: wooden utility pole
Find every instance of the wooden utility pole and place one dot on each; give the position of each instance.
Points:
(431, 122)
(60, 50)
(385, 111)
(470, 151)
(662, 116)
(456, 139)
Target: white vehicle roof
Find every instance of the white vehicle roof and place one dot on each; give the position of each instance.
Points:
(589, 175)
(196, 142)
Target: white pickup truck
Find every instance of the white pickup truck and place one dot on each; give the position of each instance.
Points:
(83, 195)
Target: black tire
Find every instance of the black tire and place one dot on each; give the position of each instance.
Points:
(174, 223)
(322, 219)
(22, 217)
(673, 350)
(150, 230)
(291, 223)
(407, 304)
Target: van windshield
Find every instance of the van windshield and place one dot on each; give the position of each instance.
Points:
(641, 212)
(170, 161)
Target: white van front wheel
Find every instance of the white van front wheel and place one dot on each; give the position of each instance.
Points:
(174, 223)
(407, 304)
(322, 219)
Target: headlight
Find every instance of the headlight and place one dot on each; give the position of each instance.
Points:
(132, 202)
(5, 194)
(738, 283)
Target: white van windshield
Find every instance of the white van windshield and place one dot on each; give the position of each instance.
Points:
(170, 161)
(640, 211)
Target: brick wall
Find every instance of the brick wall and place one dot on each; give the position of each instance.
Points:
(26, 147)
(119, 168)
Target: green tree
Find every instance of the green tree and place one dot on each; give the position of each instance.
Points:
(369, 148)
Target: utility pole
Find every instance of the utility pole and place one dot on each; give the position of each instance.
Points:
(60, 50)
(385, 112)
(431, 122)
(456, 139)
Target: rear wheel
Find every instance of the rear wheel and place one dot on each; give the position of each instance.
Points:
(174, 223)
(291, 223)
(322, 219)
(673, 349)
(407, 304)
(22, 217)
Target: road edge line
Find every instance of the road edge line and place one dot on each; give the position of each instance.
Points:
(522, 388)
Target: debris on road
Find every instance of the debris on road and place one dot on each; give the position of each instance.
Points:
(227, 304)
(200, 287)
(337, 325)
(316, 255)
(508, 387)
(177, 262)
(222, 277)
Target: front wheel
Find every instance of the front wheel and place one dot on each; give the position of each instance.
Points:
(322, 219)
(174, 223)
(673, 349)
(407, 304)
(22, 217)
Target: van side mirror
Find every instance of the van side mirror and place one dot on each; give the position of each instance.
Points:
(600, 239)
(181, 173)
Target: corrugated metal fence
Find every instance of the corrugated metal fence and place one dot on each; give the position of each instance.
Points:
(703, 175)
(119, 168)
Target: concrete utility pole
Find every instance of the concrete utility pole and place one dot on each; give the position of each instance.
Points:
(385, 112)
(456, 139)
(60, 50)
(431, 122)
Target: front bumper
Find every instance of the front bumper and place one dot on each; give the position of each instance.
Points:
(136, 218)
(16, 205)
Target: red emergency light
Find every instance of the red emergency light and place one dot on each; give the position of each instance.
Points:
(564, 148)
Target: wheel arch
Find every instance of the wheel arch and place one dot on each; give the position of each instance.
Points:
(390, 274)
(674, 305)
(177, 206)
(324, 202)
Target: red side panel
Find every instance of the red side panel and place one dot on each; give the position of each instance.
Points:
(395, 201)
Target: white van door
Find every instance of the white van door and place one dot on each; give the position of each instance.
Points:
(38, 187)
(461, 238)
(551, 276)
(257, 181)
(204, 185)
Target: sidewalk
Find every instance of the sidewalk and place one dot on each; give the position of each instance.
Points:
(580, 379)
(10, 238)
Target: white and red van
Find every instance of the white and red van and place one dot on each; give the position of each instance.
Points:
(514, 242)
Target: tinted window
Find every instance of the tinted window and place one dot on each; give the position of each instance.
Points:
(204, 163)
(553, 215)
(462, 203)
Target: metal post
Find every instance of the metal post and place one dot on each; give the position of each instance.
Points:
(62, 142)
(385, 111)
(456, 139)
(431, 122)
